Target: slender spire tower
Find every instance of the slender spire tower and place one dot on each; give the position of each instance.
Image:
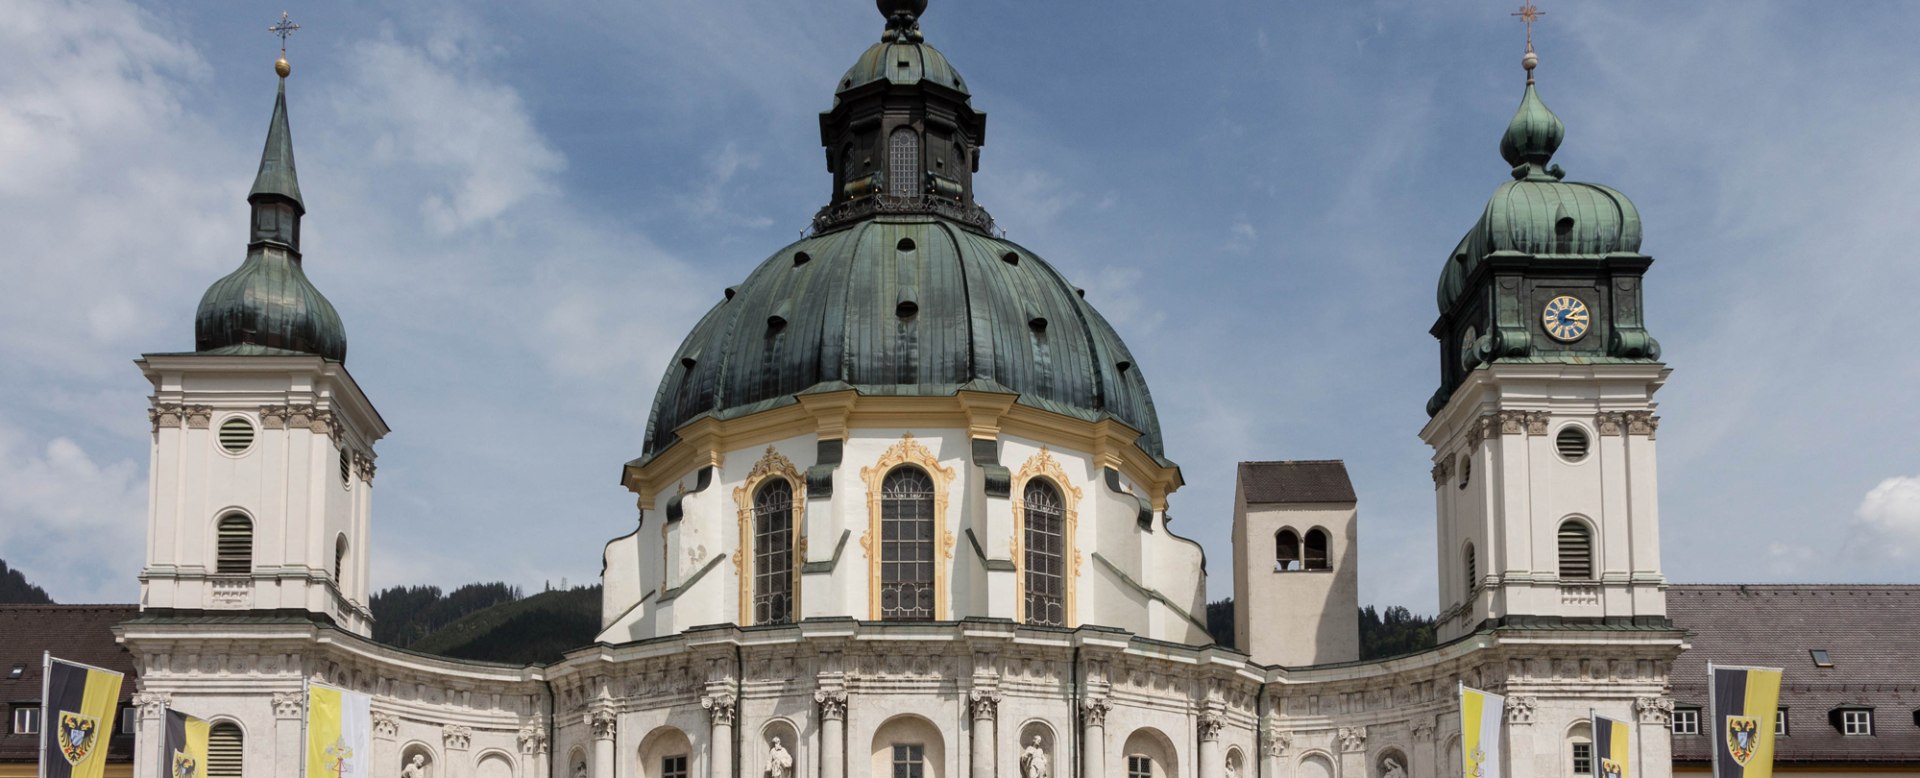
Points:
(263, 444)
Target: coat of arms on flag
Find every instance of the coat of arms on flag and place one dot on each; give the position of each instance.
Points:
(184, 765)
(77, 736)
(1743, 736)
(1611, 769)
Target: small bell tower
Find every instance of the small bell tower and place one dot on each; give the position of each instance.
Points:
(262, 458)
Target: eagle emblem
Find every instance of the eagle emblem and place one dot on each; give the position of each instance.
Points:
(1611, 769)
(184, 765)
(1743, 738)
(77, 736)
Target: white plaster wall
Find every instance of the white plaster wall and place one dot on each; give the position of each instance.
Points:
(1298, 617)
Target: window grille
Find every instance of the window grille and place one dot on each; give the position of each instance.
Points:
(233, 552)
(1583, 759)
(224, 751)
(1473, 572)
(906, 546)
(1686, 721)
(1046, 581)
(1286, 550)
(1576, 552)
(1139, 766)
(909, 761)
(1856, 722)
(773, 553)
(1317, 550)
(903, 158)
(674, 766)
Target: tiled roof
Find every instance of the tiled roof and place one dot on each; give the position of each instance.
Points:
(1871, 632)
(80, 633)
(1296, 482)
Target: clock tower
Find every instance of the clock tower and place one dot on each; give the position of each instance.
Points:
(1543, 425)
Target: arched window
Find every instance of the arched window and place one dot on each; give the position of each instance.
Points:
(1317, 558)
(1576, 552)
(340, 561)
(1286, 550)
(906, 545)
(903, 162)
(224, 750)
(1473, 573)
(233, 547)
(1046, 580)
(773, 553)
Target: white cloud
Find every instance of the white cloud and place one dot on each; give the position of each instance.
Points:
(1891, 511)
(62, 507)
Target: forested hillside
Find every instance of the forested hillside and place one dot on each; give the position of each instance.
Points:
(488, 622)
(15, 590)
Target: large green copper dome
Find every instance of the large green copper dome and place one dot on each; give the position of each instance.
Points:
(903, 305)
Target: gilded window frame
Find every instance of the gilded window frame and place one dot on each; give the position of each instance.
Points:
(908, 451)
(772, 464)
(1042, 465)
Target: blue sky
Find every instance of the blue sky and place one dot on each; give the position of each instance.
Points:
(520, 209)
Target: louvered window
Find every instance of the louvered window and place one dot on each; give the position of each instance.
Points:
(1045, 539)
(224, 751)
(346, 467)
(236, 435)
(1317, 558)
(1576, 552)
(233, 554)
(1286, 550)
(773, 553)
(903, 163)
(1572, 444)
(1473, 572)
(906, 546)
(340, 561)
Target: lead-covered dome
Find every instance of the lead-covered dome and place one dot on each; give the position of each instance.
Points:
(903, 305)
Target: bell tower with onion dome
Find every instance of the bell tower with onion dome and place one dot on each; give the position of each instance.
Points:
(262, 471)
(1543, 426)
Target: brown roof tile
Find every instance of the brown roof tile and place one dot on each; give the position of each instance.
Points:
(1872, 633)
(80, 633)
(1296, 482)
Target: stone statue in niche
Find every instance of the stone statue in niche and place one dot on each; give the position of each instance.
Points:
(1390, 768)
(579, 770)
(415, 768)
(1034, 762)
(779, 762)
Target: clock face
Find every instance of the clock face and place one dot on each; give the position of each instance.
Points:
(1467, 341)
(1566, 318)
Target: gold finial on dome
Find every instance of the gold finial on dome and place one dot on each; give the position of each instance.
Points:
(1529, 14)
(284, 29)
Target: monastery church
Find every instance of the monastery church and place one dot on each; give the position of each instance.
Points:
(903, 512)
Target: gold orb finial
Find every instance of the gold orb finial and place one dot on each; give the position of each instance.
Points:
(283, 30)
(282, 67)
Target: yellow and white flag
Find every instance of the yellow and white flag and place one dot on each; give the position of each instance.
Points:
(339, 732)
(1481, 715)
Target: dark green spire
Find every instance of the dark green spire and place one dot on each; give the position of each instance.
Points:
(1534, 134)
(268, 306)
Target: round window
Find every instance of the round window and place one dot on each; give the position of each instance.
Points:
(236, 434)
(1572, 443)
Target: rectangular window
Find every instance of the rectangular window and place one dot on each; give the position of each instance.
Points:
(1821, 658)
(909, 761)
(1686, 721)
(26, 720)
(1583, 759)
(1780, 722)
(1139, 767)
(674, 766)
(1856, 722)
(128, 723)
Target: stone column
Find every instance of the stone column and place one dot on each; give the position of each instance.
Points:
(385, 761)
(986, 704)
(1655, 736)
(1426, 756)
(1353, 750)
(1522, 755)
(457, 740)
(289, 708)
(150, 739)
(1273, 746)
(1093, 737)
(833, 732)
(602, 722)
(533, 748)
(1212, 764)
(721, 707)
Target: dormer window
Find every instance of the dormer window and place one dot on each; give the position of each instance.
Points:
(1821, 658)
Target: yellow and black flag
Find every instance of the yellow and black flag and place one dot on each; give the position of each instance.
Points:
(1611, 742)
(78, 703)
(1744, 703)
(185, 754)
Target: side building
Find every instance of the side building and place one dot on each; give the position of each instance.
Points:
(77, 633)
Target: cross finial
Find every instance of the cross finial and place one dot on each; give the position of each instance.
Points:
(1529, 14)
(283, 29)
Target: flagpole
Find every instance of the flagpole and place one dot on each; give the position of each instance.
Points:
(46, 695)
(306, 716)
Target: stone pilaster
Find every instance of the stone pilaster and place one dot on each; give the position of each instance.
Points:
(1212, 764)
(385, 761)
(151, 708)
(289, 711)
(457, 740)
(604, 726)
(1093, 736)
(833, 731)
(721, 709)
(985, 705)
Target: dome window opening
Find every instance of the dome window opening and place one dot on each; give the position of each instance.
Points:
(801, 258)
(905, 245)
(1572, 443)
(906, 309)
(906, 546)
(236, 435)
(1010, 258)
(1038, 324)
(1045, 562)
(1123, 366)
(1563, 235)
(903, 163)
